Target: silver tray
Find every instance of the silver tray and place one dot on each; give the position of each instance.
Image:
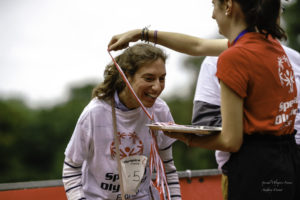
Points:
(192, 129)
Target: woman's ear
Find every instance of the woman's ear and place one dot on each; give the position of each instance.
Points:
(228, 7)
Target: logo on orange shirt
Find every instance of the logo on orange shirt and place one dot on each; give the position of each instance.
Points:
(285, 72)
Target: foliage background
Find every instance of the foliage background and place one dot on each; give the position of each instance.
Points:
(32, 141)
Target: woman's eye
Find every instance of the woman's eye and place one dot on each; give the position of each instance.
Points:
(148, 79)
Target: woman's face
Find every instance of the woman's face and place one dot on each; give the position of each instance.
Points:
(148, 82)
(219, 15)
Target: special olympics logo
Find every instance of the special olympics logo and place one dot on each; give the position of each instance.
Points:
(286, 74)
(129, 144)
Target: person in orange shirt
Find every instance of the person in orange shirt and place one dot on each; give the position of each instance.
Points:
(258, 97)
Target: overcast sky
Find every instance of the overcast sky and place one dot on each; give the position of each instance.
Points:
(48, 45)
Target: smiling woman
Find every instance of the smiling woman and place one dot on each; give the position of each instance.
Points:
(92, 166)
(148, 82)
(144, 66)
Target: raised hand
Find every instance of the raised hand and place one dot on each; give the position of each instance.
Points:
(186, 138)
(122, 41)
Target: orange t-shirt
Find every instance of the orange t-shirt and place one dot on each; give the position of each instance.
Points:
(258, 70)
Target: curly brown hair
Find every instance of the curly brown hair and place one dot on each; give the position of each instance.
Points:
(130, 61)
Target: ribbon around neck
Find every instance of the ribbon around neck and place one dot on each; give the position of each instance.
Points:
(155, 161)
(130, 87)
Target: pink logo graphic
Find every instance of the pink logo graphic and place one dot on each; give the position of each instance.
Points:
(129, 144)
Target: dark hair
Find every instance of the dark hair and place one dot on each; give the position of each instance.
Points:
(130, 61)
(262, 15)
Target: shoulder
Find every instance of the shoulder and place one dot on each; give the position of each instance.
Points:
(94, 107)
(210, 60)
(209, 64)
(294, 58)
(247, 49)
(96, 104)
(160, 104)
(233, 51)
(233, 56)
(162, 111)
(291, 51)
(293, 55)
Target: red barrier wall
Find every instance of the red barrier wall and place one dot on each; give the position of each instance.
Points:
(50, 193)
(204, 188)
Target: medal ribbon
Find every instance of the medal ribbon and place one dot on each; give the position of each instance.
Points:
(155, 161)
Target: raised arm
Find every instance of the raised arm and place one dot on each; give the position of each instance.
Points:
(179, 42)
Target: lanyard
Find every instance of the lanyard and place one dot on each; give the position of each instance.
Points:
(155, 161)
(239, 36)
(117, 147)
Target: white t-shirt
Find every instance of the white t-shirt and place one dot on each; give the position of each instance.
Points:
(294, 58)
(92, 145)
(208, 87)
(208, 90)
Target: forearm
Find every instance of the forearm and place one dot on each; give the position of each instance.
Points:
(178, 42)
(218, 141)
(188, 44)
(171, 173)
(72, 180)
(212, 142)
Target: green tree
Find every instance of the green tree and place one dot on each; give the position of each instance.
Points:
(14, 119)
(292, 16)
(32, 141)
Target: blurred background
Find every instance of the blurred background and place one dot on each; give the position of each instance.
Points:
(52, 54)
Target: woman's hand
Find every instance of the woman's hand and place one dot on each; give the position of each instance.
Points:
(186, 138)
(121, 41)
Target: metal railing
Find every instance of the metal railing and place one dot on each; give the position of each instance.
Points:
(58, 182)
